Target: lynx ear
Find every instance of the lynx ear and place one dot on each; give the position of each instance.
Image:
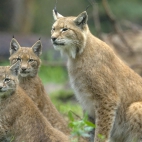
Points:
(37, 48)
(15, 68)
(81, 19)
(56, 15)
(14, 46)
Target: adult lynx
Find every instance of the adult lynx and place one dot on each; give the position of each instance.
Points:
(31, 83)
(106, 88)
(20, 119)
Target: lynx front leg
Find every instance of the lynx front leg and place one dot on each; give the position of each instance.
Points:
(105, 116)
(134, 122)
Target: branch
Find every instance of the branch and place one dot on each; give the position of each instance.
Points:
(116, 26)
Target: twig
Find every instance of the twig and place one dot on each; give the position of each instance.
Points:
(96, 17)
(75, 114)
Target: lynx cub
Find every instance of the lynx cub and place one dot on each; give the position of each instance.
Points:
(20, 119)
(106, 88)
(31, 83)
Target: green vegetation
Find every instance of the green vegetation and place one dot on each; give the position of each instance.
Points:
(4, 63)
(52, 74)
(12, 139)
(65, 101)
(80, 127)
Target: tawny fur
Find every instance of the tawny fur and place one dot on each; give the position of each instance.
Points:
(106, 88)
(20, 119)
(31, 83)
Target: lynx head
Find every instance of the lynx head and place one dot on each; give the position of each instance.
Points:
(8, 79)
(69, 34)
(28, 57)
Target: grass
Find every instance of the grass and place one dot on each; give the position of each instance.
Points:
(52, 74)
(65, 101)
(4, 63)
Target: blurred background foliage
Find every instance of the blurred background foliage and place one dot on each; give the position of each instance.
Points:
(30, 19)
(34, 16)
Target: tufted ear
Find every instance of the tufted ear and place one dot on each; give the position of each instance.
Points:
(14, 46)
(81, 19)
(56, 15)
(15, 68)
(37, 48)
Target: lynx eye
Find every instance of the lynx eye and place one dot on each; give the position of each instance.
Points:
(6, 80)
(64, 29)
(53, 29)
(31, 60)
(18, 59)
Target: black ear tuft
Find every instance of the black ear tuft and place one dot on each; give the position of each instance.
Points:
(37, 48)
(87, 7)
(13, 36)
(56, 15)
(55, 10)
(40, 38)
(14, 46)
(81, 19)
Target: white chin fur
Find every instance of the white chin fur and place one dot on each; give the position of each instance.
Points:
(58, 47)
(23, 75)
(69, 50)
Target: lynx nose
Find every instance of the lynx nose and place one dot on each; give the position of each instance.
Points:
(53, 38)
(23, 69)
